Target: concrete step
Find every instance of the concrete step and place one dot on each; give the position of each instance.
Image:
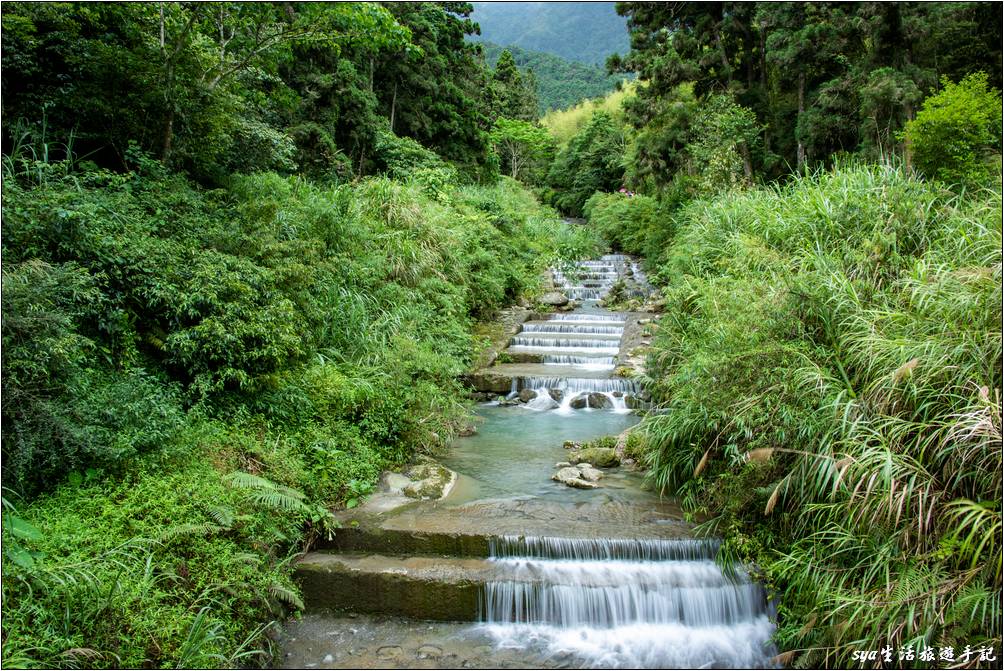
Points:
(426, 588)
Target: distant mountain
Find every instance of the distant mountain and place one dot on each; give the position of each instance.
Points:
(586, 32)
(560, 83)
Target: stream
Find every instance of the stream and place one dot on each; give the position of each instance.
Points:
(512, 569)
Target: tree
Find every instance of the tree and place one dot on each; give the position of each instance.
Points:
(524, 149)
(512, 95)
(592, 161)
(434, 94)
(956, 130)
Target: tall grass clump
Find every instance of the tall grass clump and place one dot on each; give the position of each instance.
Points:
(828, 380)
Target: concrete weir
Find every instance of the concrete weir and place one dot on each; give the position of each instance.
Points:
(514, 568)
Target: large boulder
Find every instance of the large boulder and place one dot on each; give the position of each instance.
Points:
(555, 298)
(603, 457)
(588, 473)
(527, 395)
(579, 403)
(556, 394)
(598, 400)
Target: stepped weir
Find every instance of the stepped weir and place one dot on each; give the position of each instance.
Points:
(513, 570)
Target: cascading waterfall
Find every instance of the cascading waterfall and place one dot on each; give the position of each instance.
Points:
(621, 603)
(587, 341)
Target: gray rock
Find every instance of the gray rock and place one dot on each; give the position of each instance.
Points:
(589, 473)
(562, 464)
(429, 481)
(555, 298)
(527, 395)
(598, 400)
(579, 403)
(571, 477)
(556, 394)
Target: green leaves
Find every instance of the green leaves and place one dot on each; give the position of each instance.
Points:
(956, 131)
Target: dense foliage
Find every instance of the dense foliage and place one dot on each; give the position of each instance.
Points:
(554, 27)
(560, 83)
(821, 78)
(246, 248)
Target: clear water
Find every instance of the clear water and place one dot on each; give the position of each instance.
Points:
(515, 449)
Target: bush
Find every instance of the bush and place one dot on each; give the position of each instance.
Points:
(956, 131)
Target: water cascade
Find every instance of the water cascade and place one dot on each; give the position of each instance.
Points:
(626, 603)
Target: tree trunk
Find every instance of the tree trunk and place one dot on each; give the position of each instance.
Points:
(744, 149)
(393, 107)
(168, 134)
(801, 110)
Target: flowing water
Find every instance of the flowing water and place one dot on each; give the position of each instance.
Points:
(573, 578)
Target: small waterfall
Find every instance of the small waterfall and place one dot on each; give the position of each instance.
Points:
(565, 343)
(573, 328)
(626, 603)
(583, 362)
(577, 385)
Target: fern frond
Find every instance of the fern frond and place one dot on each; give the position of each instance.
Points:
(286, 596)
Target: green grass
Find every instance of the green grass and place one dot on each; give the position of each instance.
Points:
(829, 374)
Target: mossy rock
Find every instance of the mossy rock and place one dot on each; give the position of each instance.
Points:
(602, 457)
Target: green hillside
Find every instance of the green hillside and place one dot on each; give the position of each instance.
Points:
(558, 28)
(560, 83)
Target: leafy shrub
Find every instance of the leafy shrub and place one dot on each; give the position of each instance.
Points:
(956, 130)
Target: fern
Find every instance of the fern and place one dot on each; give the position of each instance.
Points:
(286, 596)
(221, 515)
(268, 494)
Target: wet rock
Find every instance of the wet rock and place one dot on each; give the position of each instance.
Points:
(489, 381)
(429, 652)
(388, 652)
(572, 477)
(589, 473)
(571, 445)
(508, 401)
(618, 394)
(598, 400)
(556, 394)
(579, 402)
(429, 481)
(527, 395)
(395, 482)
(562, 464)
(602, 457)
(555, 298)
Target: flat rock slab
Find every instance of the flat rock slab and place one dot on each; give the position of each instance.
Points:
(437, 528)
